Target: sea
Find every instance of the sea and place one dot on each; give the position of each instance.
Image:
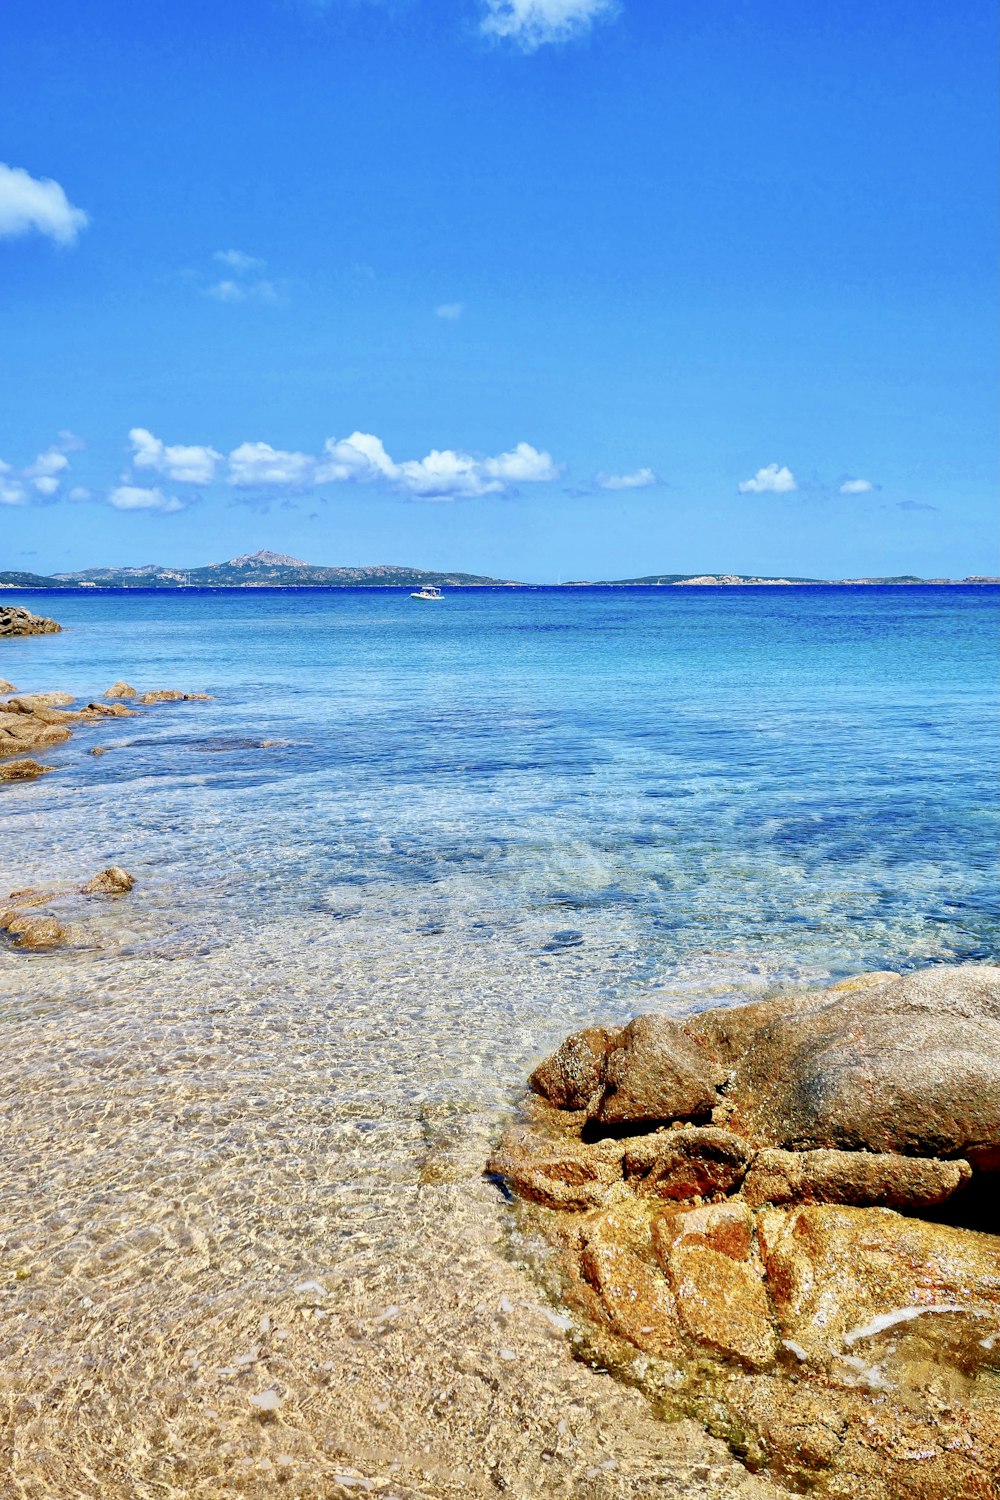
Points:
(404, 849)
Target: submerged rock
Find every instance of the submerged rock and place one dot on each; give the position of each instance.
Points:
(754, 1265)
(17, 621)
(29, 930)
(171, 695)
(22, 770)
(114, 881)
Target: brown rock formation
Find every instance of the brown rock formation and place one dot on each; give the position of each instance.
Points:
(858, 1177)
(114, 881)
(121, 689)
(17, 621)
(171, 695)
(912, 1065)
(22, 770)
(654, 1075)
(844, 1347)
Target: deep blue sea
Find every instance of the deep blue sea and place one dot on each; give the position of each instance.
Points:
(673, 786)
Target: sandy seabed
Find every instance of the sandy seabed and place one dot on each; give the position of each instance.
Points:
(244, 1250)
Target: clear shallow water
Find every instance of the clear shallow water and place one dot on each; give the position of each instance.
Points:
(475, 825)
(635, 784)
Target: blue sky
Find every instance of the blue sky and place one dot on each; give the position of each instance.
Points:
(536, 288)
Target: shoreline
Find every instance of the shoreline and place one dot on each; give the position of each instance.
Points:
(456, 588)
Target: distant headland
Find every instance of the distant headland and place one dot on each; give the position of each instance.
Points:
(276, 570)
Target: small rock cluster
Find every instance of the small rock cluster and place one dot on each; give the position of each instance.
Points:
(28, 926)
(36, 721)
(750, 1213)
(17, 621)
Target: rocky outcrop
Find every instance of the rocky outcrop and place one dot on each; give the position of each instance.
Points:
(44, 917)
(33, 721)
(121, 689)
(32, 931)
(911, 1066)
(22, 770)
(17, 621)
(742, 1231)
(114, 881)
(171, 695)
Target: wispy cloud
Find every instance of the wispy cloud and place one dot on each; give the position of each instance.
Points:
(639, 479)
(857, 487)
(246, 283)
(239, 261)
(450, 311)
(771, 480)
(535, 23)
(36, 205)
(914, 505)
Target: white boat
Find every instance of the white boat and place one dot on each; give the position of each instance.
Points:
(428, 592)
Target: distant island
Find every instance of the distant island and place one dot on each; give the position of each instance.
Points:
(276, 570)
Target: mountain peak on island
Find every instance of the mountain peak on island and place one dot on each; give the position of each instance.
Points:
(268, 559)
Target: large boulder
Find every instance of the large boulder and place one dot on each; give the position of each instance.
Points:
(848, 1283)
(910, 1066)
(17, 621)
(574, 1073)
(843, 1347)
(689, 1161)
(858, 1177)
(656, 1074)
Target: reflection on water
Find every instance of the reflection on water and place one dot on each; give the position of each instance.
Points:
(394, 860)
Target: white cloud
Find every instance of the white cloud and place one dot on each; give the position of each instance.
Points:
(533, 23)
(183, 463)
(639, 479)
(443, 474)
(361, 458)
(769, 481)
(450, 311)
(245, 284)
(42, 477)
(79, 494)
(12, 491)
(134, 497)
(245, 291)
(30, 203)
(857, 487)
(254, 464)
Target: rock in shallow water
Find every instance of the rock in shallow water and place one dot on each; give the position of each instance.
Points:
(22, 770)
(656, 1074)
(855, 1351)
(114, 881)
(17, 621)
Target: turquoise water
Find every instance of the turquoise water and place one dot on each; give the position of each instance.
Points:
(644, 786)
